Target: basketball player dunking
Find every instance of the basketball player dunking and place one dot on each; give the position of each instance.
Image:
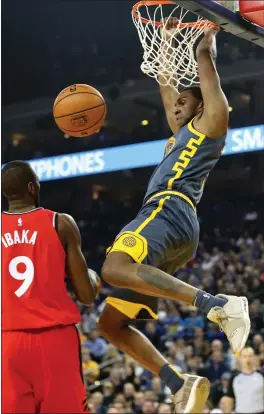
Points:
(41, 368)
(165, 234)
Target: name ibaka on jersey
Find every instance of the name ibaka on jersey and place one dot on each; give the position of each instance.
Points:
(19, 237)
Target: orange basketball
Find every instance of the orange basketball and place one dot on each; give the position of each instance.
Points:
(79, 110)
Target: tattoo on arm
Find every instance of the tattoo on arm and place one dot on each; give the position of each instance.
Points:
(169, 286)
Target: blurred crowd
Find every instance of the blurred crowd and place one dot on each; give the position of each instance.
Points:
(224, 263)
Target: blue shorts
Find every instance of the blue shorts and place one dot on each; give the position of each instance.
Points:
(165, 235)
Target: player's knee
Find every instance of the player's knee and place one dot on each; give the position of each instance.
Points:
(108, 325)
(115, 268)
(111, 274)
(108, 273)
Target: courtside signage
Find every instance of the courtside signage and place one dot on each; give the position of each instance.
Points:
(133, 156)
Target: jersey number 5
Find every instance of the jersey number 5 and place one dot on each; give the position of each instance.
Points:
(27, 275)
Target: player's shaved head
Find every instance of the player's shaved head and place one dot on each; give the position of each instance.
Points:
(196, 92)
(20, 182)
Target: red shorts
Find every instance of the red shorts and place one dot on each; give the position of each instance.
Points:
(41, 372)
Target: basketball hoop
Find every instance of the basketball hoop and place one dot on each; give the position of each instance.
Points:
(168, 54)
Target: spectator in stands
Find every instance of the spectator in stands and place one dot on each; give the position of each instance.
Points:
(158, 389)
(193, 321)
(246, 388)
(129, 391)
(111, 354)
(215, 368)
(97, 400)
(116, 380)
(145, 379)
(200, 344)
(151, 332)
(213, 332)
(109, 392)
(195, 365)
(173, 321)
(96, 345)
(257, 341)
(91, 407)
(219, 389)
(172, 352)
(83, 339)
(164, 409)
(148, 407)
(130, 372)
(150, 396)
(89, 319)
(121, 399)
(261, 357)
(113, 410)
(256, 316)
(90, 368)
(120, 407)
(138, 402)
(216, 345)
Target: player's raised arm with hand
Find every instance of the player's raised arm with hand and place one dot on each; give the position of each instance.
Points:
(85, 282)
(212, 116)
(215, 115)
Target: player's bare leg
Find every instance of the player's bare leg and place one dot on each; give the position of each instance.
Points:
(120, 270)
(230, 312)
(115, 327)
(189, 392)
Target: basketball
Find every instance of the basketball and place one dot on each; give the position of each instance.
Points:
(79, 110)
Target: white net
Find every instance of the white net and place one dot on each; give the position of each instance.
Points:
(169, 55)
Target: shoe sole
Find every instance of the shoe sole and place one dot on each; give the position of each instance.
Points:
(198, 396)
(244, 306)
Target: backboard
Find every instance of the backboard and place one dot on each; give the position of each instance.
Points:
(226, 13)
(232, 5)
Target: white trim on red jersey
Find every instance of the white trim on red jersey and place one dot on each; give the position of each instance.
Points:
(54, 220)
(25, 212)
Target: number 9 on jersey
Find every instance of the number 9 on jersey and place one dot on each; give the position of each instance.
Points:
(27, 276)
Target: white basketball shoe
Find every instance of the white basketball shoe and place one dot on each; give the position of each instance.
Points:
(233, 319)
(192, 396)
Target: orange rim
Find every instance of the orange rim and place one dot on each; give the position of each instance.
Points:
(136, 6)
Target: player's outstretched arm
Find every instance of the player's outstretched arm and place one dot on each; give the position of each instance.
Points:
(169, 93)
(214, 121)
(85, 282)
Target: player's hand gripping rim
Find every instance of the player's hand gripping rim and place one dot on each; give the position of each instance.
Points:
(170, 28)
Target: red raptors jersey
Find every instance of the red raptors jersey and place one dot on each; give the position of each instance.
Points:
(33, 273)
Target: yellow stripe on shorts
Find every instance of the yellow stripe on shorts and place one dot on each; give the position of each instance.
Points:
(153, 215)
